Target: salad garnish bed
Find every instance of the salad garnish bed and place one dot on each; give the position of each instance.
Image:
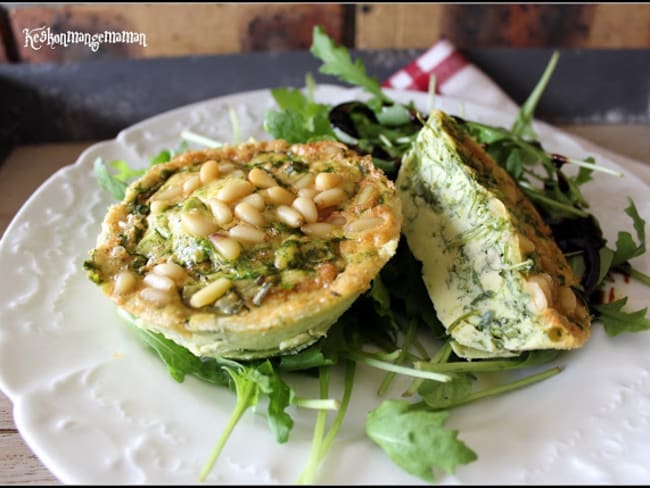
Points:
(384, 328)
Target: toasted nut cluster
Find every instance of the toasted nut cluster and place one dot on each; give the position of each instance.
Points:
(242, 209)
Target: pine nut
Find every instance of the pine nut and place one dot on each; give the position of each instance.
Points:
(546, 284)
(246, 233)
(246, 212)
(526, 246)
(317, 229)
(226, 167)
(256, 200)
(191, 184)
(234, 190)
(279, 196)
(497, 207)
(170, 270)
(307, 208)
(169, 193)
(305, 181)
(367, 196)
(337, 220)
(308, 192)
(156, 296)
(290, 216)
(158, 206)
(261, 178)
(221, 211)
(364, 224)
(228, 247)
(210, 293)
(159, 282)
(537, 295)
(567, 299)
(198, 224)
(327, 181)
(539, 287)
(330, 198)
(125, 282)
(209, 171)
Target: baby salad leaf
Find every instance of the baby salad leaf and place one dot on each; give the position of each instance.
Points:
(440, 396)
(617, 321)
(626, 248)
(415, 438)
(250, 382)
(179, 360)
(108, 181)
(299, 120)
(280, 397)
(337, 62)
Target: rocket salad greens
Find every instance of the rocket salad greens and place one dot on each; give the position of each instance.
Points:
(384, 327)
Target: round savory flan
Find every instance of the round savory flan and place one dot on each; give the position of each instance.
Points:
(248, 251)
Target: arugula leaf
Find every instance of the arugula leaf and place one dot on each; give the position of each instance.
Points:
(626, 248)
(179, 360)
(108, 181)
(280, 397)
(523, 124)
(584, 174)
(288, 125)
(616, 321)
(441, 396)
(415, 438)
(250, 382)
(337, 62)
(310, 358)
(162, 157)
(300, 120)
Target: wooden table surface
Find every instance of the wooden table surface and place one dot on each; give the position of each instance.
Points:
(28, 167)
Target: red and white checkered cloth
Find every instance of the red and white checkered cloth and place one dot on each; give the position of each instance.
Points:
(454, 76)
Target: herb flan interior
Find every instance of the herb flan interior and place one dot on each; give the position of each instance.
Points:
(496, 277)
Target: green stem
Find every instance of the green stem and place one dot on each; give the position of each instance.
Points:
(636, 274)
(345, 401)
(234, 122)
(486, 366)
(243, 399)
(408, 339)
(308, 475)
(441, 356)
(532, 194)
(498, 390)
(595, 167)
(316, 404)
(199, 139)
(429, 375)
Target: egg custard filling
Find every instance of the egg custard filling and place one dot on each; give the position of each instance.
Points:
(247, 251)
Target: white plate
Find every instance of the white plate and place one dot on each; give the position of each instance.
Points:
(97, 407)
